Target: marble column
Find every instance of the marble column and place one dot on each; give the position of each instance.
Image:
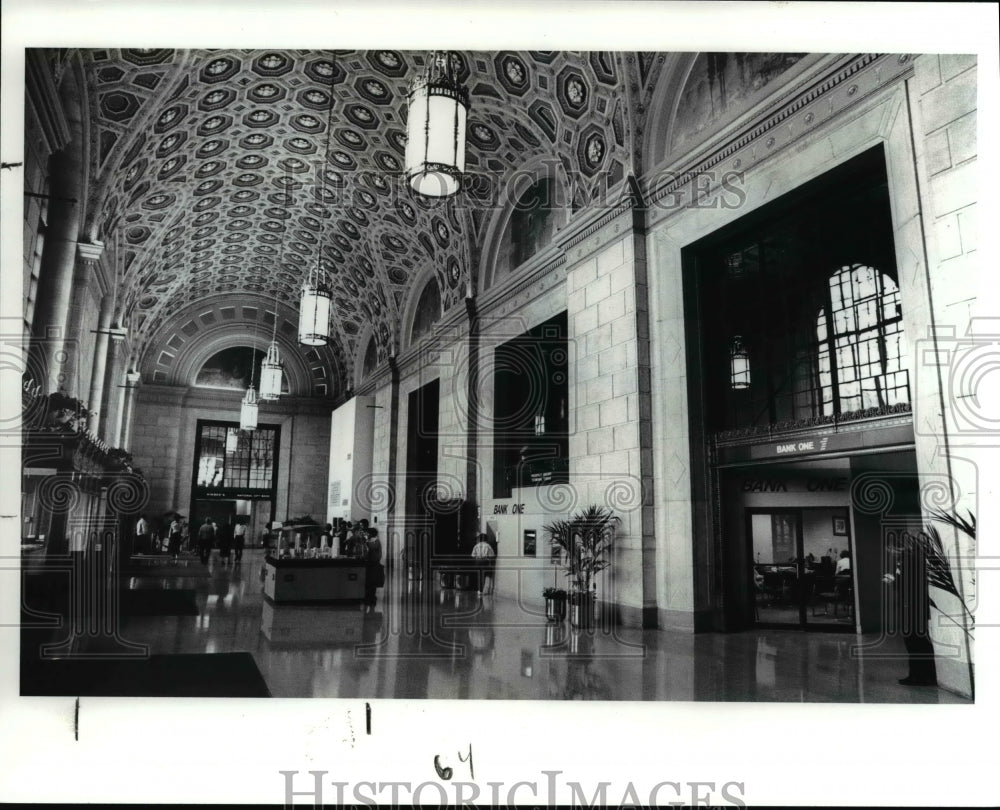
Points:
(101, 350)
(113, 399)
(77, 336)
(126, 425)
(50, 322)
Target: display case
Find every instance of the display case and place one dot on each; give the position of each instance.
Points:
(332, 579)
(303, 568)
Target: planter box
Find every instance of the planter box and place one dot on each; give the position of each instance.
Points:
(555, 608)
(582, 610)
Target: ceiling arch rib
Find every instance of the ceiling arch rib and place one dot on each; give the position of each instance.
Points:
(195, 173)
(178, 348)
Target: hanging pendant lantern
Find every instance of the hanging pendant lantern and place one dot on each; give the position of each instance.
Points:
(739, 364)
(270, 373)
(232, 441)
(314, 315)
(248, 410)
(437, 107)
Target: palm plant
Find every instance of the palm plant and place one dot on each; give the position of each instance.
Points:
(584, 542)
(939, 572)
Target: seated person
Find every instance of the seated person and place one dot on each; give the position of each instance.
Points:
(844, 563)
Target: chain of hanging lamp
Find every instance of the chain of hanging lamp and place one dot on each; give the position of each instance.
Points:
(249, 407)
(316, 299)
(271, 368)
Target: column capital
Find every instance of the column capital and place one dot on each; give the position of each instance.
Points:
(90, 251)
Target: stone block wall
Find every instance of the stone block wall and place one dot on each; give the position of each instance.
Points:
(947, 332)
(610, 442)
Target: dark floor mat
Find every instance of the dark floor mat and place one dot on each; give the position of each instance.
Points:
(159, 602)
(192, 675)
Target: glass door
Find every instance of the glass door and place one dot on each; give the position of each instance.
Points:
(776, 543)
(801, 571)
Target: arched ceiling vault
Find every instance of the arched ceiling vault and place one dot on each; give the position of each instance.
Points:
(210, 171)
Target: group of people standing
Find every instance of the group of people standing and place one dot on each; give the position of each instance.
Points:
(228, 536)
(360, 540)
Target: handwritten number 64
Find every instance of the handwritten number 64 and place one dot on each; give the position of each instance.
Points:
(446, 773)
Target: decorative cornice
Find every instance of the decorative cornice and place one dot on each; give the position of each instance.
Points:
(441, 337)
(664, 181)
(586, 226)
(194, 397)
(887, 416)
(541, 265)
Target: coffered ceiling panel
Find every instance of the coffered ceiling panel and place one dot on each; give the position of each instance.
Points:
(228, 172)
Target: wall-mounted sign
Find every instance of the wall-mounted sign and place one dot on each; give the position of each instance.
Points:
(511, 509)
(820, 444)
(202, 493)
(529, 542)
(797, 484)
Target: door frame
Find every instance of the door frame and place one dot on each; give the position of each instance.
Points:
(803, 623)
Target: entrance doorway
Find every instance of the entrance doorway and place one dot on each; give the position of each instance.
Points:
(802, 567)
(219, 510)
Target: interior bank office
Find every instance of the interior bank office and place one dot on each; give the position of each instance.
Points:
(703, 301)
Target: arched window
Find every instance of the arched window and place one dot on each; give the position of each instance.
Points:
(860, 358)
(532, 225)
(371, 359)
(230, 368)
(428, 310)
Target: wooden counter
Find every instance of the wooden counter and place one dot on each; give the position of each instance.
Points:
(294, 579)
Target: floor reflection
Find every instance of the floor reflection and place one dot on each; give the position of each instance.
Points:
(420, 641)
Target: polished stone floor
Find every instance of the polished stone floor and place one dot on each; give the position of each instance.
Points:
(423, 642)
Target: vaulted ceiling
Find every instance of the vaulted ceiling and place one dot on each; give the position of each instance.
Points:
(212, 175)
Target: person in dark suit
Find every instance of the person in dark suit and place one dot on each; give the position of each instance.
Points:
(206, 539)
(911, 609)
(224, 537)
(374, 572)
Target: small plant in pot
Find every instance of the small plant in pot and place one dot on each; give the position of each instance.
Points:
(555, 604)
(584, 543)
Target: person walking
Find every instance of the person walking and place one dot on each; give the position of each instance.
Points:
(239, 540)
(174, 535)
(224, 537)
(483, 555)
(206, 539)
(141, 536)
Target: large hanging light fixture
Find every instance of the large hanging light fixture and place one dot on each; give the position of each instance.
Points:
(271, 368)
(249, 406)
(437, 107)
(739, 364)
(315, 301)
(248, 409)
(314, 314)
(270, 372)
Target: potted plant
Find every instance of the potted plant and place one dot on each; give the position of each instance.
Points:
(584, 542)
(555, 604)
(67, 412)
